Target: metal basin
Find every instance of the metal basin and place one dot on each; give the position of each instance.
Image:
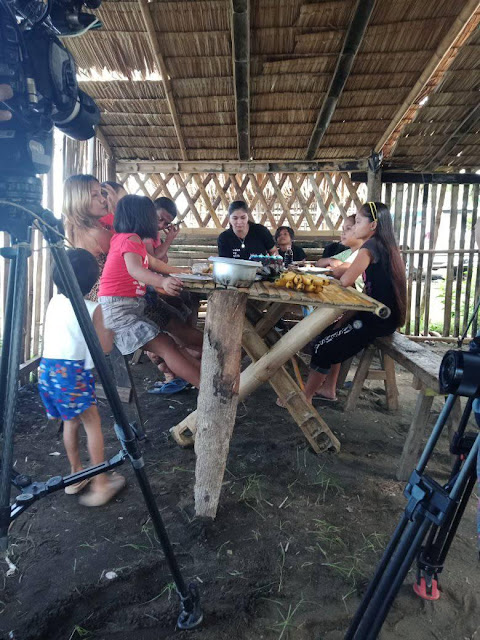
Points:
(234, 273)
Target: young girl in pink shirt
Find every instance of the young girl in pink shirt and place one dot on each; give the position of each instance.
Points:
(123, 286)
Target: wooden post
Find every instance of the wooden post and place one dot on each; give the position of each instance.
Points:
(415, 435)
(218, 396)
(391, 388)
(374, 185)
(359, 378)
(262, 370)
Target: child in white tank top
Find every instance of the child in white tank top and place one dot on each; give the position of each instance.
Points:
(66, 383)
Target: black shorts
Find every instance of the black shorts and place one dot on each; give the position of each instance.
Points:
(336, 345)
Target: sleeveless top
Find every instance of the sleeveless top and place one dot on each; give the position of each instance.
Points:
(62, 338)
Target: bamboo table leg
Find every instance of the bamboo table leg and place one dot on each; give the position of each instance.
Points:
(314, 428)
(262, 370)
(218, 396)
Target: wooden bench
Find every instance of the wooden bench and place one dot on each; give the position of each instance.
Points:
(424, 365)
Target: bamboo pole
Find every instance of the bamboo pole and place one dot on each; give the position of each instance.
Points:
(419, 273)
(425, 305)
(450, 277)
(468, 285)
(259, 372)
(410, 264)
(459, 279)
(307, 418)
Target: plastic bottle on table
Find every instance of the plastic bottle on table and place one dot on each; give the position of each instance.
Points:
(288, 258)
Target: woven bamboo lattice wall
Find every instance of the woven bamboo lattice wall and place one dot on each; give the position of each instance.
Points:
(313, 204)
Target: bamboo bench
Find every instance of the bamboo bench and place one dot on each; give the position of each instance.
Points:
(424, 365)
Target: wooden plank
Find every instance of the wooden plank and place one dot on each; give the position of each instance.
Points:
(270, 318)
(468, 284)
(419, 273)
(447, 320)
(461, 255)
(422, 362)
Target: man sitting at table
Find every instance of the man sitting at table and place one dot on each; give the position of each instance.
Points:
(244, 238)
(285, 239)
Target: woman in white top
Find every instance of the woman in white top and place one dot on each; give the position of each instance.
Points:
(66, 383)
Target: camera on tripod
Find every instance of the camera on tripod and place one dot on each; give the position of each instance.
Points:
(42, 74)
(460, 371)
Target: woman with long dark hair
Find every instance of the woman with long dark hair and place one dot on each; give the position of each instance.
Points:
(383, 270)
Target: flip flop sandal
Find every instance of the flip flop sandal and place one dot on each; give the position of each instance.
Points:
(169, 388)
(72, 489)
(99, 498)
(318, 396)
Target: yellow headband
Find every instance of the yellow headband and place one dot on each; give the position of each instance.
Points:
(373, 210)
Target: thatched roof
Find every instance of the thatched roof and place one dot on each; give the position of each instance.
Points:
(292, 54)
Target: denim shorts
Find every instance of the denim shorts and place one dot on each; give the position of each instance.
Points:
(126, 318)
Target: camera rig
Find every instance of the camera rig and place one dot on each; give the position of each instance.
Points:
(42, 74)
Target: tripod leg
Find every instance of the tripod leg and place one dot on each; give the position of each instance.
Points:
(10, 384)
(191, 614)
(7, 330)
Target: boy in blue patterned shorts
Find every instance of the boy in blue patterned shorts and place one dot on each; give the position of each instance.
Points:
(66, 383)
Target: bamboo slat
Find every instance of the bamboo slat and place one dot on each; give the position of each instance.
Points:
(419, 273)
(447, 321)
(468, 285)
(410, 271)
(459, 279)
(425, 307)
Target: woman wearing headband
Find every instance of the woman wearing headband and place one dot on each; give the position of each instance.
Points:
(383, 270)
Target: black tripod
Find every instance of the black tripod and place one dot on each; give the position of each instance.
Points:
(18, 195)
(433, 513)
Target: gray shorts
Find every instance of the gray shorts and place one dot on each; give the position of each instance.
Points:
(126, 318)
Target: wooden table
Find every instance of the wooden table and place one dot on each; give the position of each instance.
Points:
(229, 325)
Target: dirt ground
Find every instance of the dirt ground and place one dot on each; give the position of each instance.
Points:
(289, 555)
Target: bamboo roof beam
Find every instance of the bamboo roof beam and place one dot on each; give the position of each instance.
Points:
(463, 26)
(152, 37)
(217, 166)
(241, 70)
(351, 45)
(462, 130)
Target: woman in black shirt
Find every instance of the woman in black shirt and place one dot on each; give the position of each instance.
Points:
(383, 270)
(284, 237)
(244, 238)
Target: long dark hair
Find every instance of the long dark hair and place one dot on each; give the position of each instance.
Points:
(379, 213)
(136, 214)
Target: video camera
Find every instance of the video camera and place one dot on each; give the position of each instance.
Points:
(42, 74)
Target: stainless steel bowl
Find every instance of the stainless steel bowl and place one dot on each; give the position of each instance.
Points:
(234, 273)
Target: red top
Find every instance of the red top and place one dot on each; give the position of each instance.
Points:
(115, 280)
(107, 221)
(154, 242)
